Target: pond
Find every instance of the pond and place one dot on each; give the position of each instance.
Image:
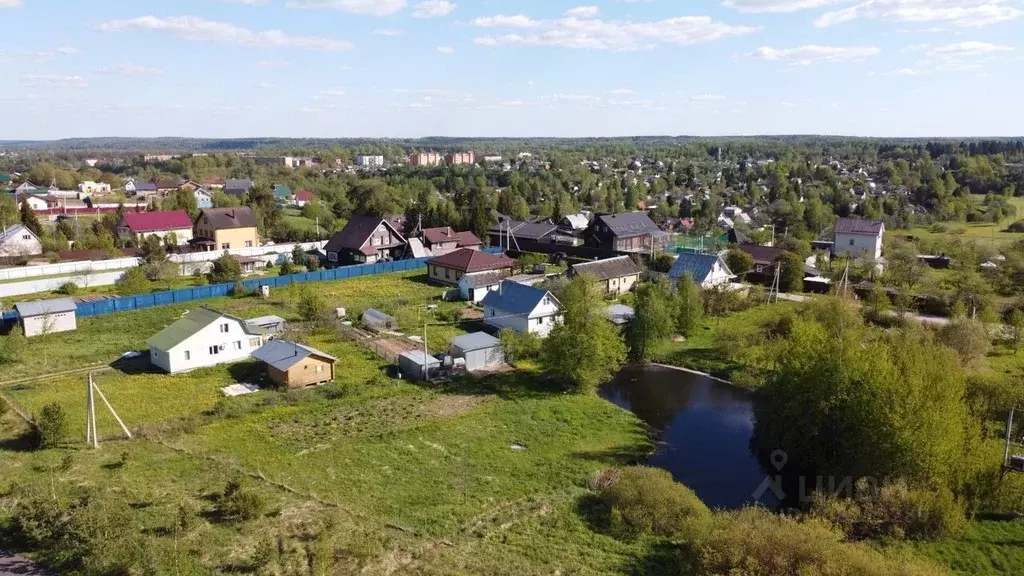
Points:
(702, 428)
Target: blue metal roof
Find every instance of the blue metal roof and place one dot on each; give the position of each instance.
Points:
(282, 354)
(698, 265)
(514, 298)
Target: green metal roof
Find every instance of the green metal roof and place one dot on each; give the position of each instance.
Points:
(5, 178)
(189, 326)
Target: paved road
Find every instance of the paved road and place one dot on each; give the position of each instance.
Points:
(14, 565)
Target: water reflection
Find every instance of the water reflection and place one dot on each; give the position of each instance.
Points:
(703, 428)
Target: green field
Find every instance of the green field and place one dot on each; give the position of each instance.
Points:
(994, 233)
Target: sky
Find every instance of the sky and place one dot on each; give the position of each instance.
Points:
(481, 68)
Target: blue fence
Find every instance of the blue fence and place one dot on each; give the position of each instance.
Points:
(141, 301)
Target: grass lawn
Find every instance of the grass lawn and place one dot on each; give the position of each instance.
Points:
(988, 547)
(994, 233)
(294, 218)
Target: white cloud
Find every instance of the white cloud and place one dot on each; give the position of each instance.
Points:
(267, 85)
(959, 13)
(200, 30)
(388, 32)
(446, 49)
(66, 50)
(366, 7)
(433, 9)
(249, 2)
(776, 6)
(960, 56)
(330, 94)
(273, 63)
(706, 97)
(903, 72)
(582, 12)
(130, 70)
(10, 3)
(621, 91)
(38, 56)
(598, 34)
(54, 81)
(806, 55)
(967, 49)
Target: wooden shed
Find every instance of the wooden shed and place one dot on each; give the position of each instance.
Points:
(293, 365)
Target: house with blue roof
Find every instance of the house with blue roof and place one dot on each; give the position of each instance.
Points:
(707, 270)
(522, 308)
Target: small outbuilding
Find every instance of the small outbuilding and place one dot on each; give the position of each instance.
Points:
(416, 363)
(480, 349)
(41, 317)
(378, 321)
(293, 365)
(268, 324)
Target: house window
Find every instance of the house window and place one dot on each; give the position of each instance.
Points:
(447, 273)
(214, 350)
(758, 269)
(319, 368)
(332, 256)
(188, 355)
(26, 237)
(238, 345)
(254, 342)
(224, 328)
(225, 246)
(540, 321)
(248, 243)
(851, 241)
(492, 312)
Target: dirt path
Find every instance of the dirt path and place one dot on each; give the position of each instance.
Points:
(86, 370)
(14, 565)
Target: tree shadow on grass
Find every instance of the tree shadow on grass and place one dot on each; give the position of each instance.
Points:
(514, 385)
(135, 366)
(24, 442)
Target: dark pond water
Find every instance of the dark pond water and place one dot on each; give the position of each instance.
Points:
(703, 429)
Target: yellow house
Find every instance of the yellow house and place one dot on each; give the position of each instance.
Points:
(226, 229)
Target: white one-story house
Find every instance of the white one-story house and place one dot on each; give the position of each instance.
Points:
(474, 287)
(18, 240)
(707, 270)
(203, 337)
(614, 275)
(522, 308)
(42, 317)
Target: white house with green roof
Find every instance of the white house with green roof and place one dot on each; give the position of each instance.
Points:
(203, 337)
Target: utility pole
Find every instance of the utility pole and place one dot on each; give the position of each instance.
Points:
(91, 410)
(426, 363)
(1009, 431)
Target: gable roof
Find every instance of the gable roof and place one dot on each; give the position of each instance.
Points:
(608, 268)
(357, 232)
(169, 184)
(481, 279)
(576, 221)
(699, 266)
(763, 255)
(228, 218)
(516, 298)
(15, 230)
(304, 196)
(523, 230)
(282, 191)
(448, 234)
(40, 307)
(190, 325)
(145, 186)
(626, 224)
(238, 184)
(156, 221)
(282, 354)
(468, 260)
(859, 227)
(735, 236)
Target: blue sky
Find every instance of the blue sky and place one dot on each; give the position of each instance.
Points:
(407, 68)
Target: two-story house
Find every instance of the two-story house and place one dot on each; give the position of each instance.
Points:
(624, 232)
(225, 229)
(365, 240)
(203, 337)
(139, 225)
(441, 241)
(859, 238)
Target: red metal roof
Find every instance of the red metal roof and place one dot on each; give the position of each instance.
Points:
(157, 221)
(448, 234)
(467, 260)
(304, 196)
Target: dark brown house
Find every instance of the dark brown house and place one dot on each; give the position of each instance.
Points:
(624, 232)
(365, 240)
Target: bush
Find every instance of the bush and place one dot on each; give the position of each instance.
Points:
(11, 346)
(68, 288)
(225, 269)
(134, 281)
(754, 541)
(199, 278)
(663, 262)
(239, 503)
(51, 426)
(894, 511)
(968, 338)
(518, 347)
(239, 290)
(646, 500)
(310, 306)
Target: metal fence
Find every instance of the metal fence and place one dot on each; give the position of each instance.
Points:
(142, 301)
